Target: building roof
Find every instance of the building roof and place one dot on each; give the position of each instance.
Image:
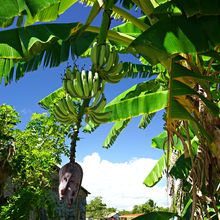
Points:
(131, 215)
(111, 215)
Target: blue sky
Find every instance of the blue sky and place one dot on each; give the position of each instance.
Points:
(26, 93)
(133, 143)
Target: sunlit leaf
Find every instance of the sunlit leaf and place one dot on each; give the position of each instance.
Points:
(160, 142)
(156, 173)
(34, 10)
(142, 98)
(135, 106)
(52, 98)
(174, 35)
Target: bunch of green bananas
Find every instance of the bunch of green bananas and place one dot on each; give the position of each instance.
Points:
(105, 59)
(94, 112)
(66, 111)
(82, 84)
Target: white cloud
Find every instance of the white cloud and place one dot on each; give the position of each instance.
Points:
(121, 184)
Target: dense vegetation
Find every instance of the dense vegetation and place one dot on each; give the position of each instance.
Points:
(177, 43)
(29, 157)
(96, 208)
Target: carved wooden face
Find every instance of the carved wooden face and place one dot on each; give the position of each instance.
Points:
(64, 179)
(72, 191)
(70, 177)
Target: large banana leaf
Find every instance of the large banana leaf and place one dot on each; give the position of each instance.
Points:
(157, 172)
(116, 130)
(34, 10)
(174, 35)
(145, 120)
(143, 98)
(24, 49)
(142, 104)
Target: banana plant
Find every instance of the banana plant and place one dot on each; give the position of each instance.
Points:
(180, 37)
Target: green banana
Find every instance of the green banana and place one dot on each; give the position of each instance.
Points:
(62, 108)
(99, 117)
(95, 83)
(110, 62)
(57, 112)
(107, 51)
(94, 54)
(93, 119)
(114, 79)
(102, 86)
(65, 85)
(116, 69)
(68, 74)
(59, 115)
(64, 105)
(85, 84)
(66, 120)
(101, 55)
(70, 88)
(72, 108)
(90, 81)
(78, 76)
(70, 118)
(115, 54)
(100, 105)
(78, 88)
(96, 98)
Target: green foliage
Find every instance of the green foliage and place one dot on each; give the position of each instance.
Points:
(26, 200)
(143, 98)
(181, 36)
(9, 118)
(34, 11)
(157, 172)
(97, 209)
(39, 148)
(38, 151)
(147, 207)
